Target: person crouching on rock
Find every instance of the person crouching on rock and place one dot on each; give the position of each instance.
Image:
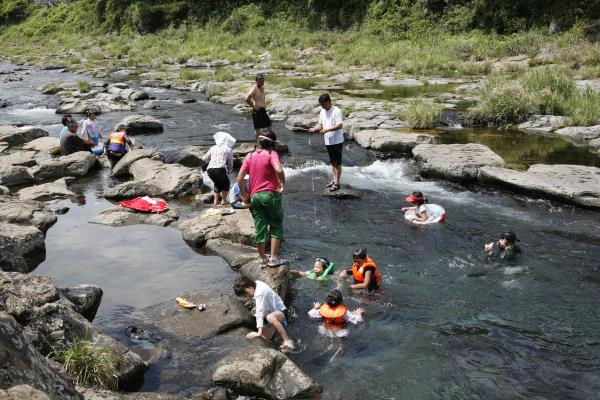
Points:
(71, 143)
(505, 248)
(220, 164)
(364, 270)
(422, 211)
(116, 145)
(270, 310)
(335, 315)
(322, 270)
(235, 195)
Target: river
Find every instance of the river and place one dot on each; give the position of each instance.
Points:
(448, 324)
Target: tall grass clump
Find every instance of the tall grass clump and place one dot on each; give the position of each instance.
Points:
(422, 113)
(503, 101)
(88, 365)
(84, 86)
(224, 75)
(187, 74)
(551, 87)
(584, 108)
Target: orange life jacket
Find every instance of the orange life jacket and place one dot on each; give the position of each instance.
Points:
(117, 138)
(333, 315)
(359, 273)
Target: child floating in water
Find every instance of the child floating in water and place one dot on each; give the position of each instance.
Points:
(321, 271)
(505, 248)
(422, 212)
(335, 315)
(364, 270)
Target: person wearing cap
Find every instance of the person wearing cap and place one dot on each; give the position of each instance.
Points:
(322, 270)
(220, 164)
(66, 119)
(256, 99)
(267, 180)
(422, 211)
(505, 248)
(330, 126)
(71, 143)
(364, 270)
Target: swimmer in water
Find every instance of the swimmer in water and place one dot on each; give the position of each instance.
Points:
(364, 270)
(422, 211)
(505, 248)
(322, 270)
(335, 315)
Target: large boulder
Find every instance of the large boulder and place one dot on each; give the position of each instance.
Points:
(86, 299)
(43, 144)
(370, 120)
(122, 166)
(97, 394)
(76, 164)
(80, 106)
(595, 146)
(390, 141)
(275, 277)
(301, 122)
(266, 373)
(122, 216)
(26, 212)
(18, 135)
(20, 158)
(22, 364)
(576, 184)
(543, 123)
(11, 175)
(155, 178)
(222, 314)
(237, 227)
(189, 156)
(22, 248)
(456, 162)
(580, 134)
(137, 124)
(236, 254)
(22, 392)
(46, 191)
(282, 107)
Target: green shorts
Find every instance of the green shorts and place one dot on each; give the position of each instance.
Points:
(267, 211)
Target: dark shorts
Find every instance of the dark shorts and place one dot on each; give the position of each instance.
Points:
(219, 178)
(261, 119)
(335, 153)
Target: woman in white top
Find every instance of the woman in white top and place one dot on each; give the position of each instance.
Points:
(90, 130)
(422, 212)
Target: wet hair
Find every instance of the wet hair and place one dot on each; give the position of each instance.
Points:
(334, 298)
(267, 144)
(509, 236)
(361, 254)
(324, 98)
(419, 194)
(243, 283)
(323, 261)
(66, 119)
(260, 77)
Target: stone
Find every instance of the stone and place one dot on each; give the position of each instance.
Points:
(186, 101)
(223, 313)
(595, 146)
(391, 141)
(189, 156)
(263, 372)
(122, 216)
(80, 106)
(4, 191)
(543, 123)
(140, 124)
(580, 134)
(237, 227)
(286, 107)
(43, 144)
(391, 81)
(22, 364)
(46, 191)
(275, 277)
(86, 299)
(370, 120)
(575, 184)
(19, 158)
(456, 162)
(139, 95)
(122, 166)
(22, 392)
(22, 248)
(98, 394)
(22, 212)
(152, 105)
(343, 194)
(76, 164)
(154, 178)
(301, 122)
(11, 175)
(236, 254)
(18, 135)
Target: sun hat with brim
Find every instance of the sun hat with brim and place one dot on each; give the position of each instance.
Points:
(412, 199)
(224, 138)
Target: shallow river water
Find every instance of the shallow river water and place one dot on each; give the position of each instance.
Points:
(448, 324)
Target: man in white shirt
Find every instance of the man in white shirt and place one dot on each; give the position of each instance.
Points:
(330, 125)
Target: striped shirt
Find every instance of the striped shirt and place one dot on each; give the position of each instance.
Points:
(219, 156)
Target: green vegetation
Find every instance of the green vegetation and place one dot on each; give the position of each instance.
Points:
(88, 365)
(584, 108)
(422, 113)
(551, 89)
(224, 75)
(503, 101)
(84, 86)
(187, 74)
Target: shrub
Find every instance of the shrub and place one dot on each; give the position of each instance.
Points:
(551, 88)
(187, 74)
(422, 113)
(88, 365)
(84, 86)
(224, 75)
(584, 108)
(503, 101)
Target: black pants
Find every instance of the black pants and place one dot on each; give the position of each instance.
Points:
(335, 153)
(219, 178)
(261, 119)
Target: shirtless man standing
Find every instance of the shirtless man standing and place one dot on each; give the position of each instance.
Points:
(256, 99)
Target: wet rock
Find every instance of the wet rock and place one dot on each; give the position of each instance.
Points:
(43, 144)
(152, 105)
(22, 364)
(140, 124)
(139, 95)
(18, 135)
(80, 106)
(370, 120)
(222, 314)
(301, 122)
(122, 216)
(22, 248)
(543, 123)
(189, 156)
(122, 166)
(154, 178)
(186, 101)
(205, 198)
(237, 227)
(86, 299)
(576, 184)
(13, 175)
(4, 191)
(3, 146)
(22, 392)
(275, 277)
(22, 212)
(263, 372)
(343, 194)
(19, 158)
(76, 164)
(580, 134)
(456, 162)
(283, 107)
(386, 140)
(96, 394)
(47, 191)
(236, 254)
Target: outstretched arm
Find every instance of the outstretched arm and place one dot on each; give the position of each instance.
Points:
(365, 284)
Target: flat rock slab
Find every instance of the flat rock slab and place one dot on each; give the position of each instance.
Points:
(43, 144)
(140, 124)
(543, 123)
(189, 156)
(236, 254)
(263, 372)
(122, 216)
(222, 313)
(301, 122)
(76, 164)
(22, 392)
(456, 162)
(19, 158)
(576, 184)
(237, 228)
(387, 140)
(46, 191)
(580, 134)
(121, 168)
(26, 212)
(343, 194)
(18, 135)
(275, 277)
(22, 248)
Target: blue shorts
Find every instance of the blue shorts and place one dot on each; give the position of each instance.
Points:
(283, 322)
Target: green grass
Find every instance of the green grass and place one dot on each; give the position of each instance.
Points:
(88, 365)
(84, 86)
(224, 75)
(584, 108)
(551, 87)
(187, 74)
(503, 101)
(422, 113)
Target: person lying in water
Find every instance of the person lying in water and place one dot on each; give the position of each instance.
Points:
(421, 211)
(322, 270)
(364, 270)
(335, 315)
(505, 248)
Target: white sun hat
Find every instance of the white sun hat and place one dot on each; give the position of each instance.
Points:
(224, 138)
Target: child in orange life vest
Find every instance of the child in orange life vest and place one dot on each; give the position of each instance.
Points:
(334, 313)
(364, 270)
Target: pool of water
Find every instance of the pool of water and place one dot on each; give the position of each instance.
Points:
(447, 324)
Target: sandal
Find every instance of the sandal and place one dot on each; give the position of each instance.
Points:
(334, 188)
(330, 184)
(184, 303)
